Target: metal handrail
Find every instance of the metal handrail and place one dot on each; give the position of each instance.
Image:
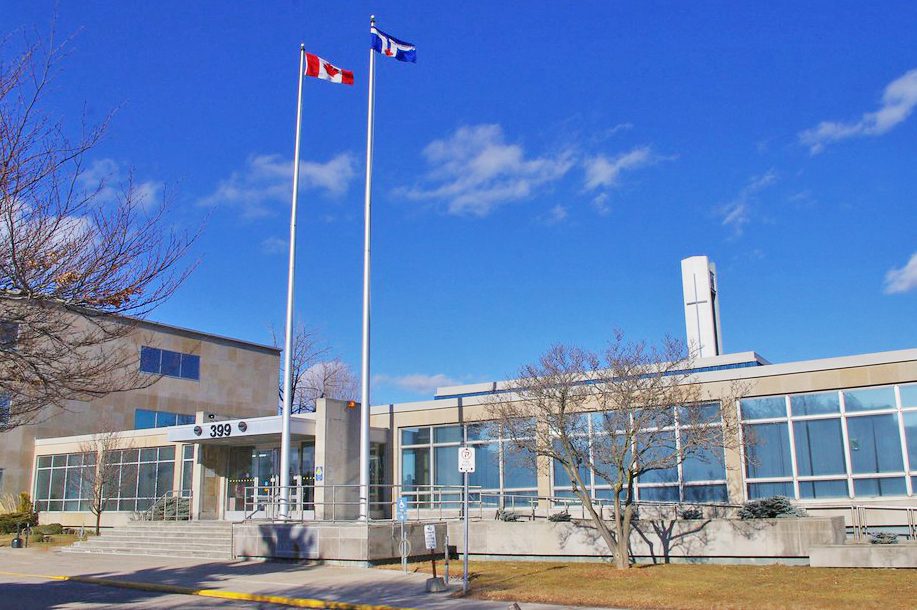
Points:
(859, 513)
(179, 497)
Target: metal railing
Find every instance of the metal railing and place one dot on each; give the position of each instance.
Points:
(859, 518)
(174, 505)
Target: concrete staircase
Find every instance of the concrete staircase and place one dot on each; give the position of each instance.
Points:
(196, 539)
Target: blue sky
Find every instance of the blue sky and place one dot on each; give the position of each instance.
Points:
(539, 173)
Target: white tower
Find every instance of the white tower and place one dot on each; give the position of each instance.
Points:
(702, 308)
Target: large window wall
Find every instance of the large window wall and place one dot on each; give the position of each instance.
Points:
(850, 443)
(699, 477)
(429, 457)
(64, 482)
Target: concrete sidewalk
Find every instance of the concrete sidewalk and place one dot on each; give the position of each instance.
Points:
(227, 578)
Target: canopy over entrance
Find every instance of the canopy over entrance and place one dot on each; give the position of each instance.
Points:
(245, 431)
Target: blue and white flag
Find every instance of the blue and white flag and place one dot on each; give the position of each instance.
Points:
(388, 45)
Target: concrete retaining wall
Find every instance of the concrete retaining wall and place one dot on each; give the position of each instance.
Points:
(657, 540)
(864, 556)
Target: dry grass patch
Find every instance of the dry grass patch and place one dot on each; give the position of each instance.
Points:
(52, 541)
(688, 586)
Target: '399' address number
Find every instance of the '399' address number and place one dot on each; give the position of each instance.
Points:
(217, 430)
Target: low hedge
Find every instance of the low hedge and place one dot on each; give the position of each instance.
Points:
(10, 522)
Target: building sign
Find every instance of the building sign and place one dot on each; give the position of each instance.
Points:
(466, 459)
(319, 474)
(429, 537)
(402, 510)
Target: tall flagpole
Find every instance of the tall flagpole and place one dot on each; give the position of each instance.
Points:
(288, 337)
(364, 370)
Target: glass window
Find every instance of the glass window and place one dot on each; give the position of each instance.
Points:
(181, 419)
(811, 490)
(875, 445)
(149, 359)
(446, 459)
(415, 466)
(4, 410)
(706, 493)
(699, 414)
(815, 404)
(146, 487)
(615, 421)
(171, 363)
(657, 451)
(763, 408)
(167, 454)
(9, 334)
(705, 464)
(447, 434)
(652, 418)
(910, 433)
(486, 466)
(869, 399)
(165, 478)
(415, 436)
(483, 431)
(144, 419)
(766, 490)
(190, 367)
(518, 471)
(767, 450)
(164, 419)
(908, 395)
(819, 447)
(879, 487)
(658, 494)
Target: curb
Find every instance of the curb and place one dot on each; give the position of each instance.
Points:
(296, 602)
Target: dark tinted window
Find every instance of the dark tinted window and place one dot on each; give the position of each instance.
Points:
(149, 359)
(171, 363)
(190, 366)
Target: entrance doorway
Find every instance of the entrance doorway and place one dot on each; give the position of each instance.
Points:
(253, 479)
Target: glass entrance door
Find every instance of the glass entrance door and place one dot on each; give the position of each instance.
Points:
(251, 481)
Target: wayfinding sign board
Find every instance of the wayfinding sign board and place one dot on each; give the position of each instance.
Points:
(429, 537)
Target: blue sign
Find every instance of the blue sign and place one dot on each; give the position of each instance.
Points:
(319, 474)
(402, 511)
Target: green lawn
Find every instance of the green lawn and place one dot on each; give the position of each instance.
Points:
(688, 586)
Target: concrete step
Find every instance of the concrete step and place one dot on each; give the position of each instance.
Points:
(202, 539)
(121, 544)
(151, 552)
(164, 537)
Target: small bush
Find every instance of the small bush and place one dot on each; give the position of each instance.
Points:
(775, 507)
(25, 503)
(49, 529)
(691, 512)
(884, 538)
(507, 515)
(11, 522)
(560, 517)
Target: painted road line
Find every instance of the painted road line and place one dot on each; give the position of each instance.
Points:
(296, 602)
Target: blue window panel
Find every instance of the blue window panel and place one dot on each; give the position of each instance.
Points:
(704, 464)
(658, 494)
(446, 466)
(171, 363)
(150, 359)
(190, 367)
(182, 419)
(908, 395)
(767, 450)
(483, 431)
(875, 444)
(910, 433)
(819, 447)
(813, 490)
(486, 466)
(706, 493)
(447, 434)
(815, 404)
(763, 408)
(610, 421)
(879, 487)
(4, 410)
(167, 454)
(144, 419)
(415, 467)
(415, 436)
(657, 449)
(518, 471)
(699, 414)
(164, 420)
(766, 490)
(869, 399)
(652, 418)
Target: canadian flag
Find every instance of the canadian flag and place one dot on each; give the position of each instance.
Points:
(319, 68)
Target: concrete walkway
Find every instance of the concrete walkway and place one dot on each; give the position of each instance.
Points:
(314, 586)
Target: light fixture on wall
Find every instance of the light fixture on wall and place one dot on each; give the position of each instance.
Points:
(198, 430)
(243, 426)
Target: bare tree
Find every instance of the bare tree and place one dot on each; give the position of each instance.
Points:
(631, 411)
(101, 469)
(316, 374)
(80, 258)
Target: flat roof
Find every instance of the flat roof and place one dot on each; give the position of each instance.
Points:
(180, 330)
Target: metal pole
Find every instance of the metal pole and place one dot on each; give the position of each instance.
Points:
(288, 339)
(465, 526)
(364, 370)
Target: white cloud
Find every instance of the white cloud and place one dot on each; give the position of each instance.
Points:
(108, 179)
(555, 215)
(268, 179)
(898, 101)
(904, 279)
(738, 213)
(600, 204)
(602, 171)
(417, 382)
(275, 245)
(475, 171)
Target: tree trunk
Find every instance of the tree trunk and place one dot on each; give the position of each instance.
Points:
(98, 521)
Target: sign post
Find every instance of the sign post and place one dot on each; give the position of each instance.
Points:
(429, 537)
(466, 466)
(402, 514)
